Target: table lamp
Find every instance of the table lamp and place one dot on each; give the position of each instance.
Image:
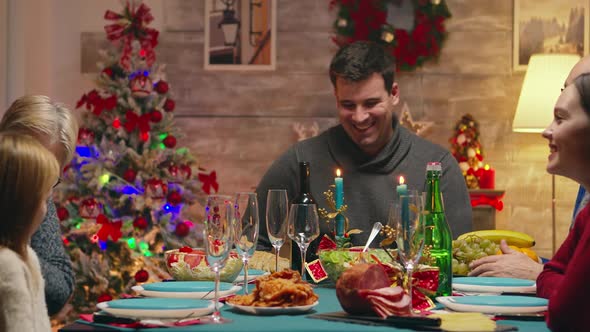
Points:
(543, 81)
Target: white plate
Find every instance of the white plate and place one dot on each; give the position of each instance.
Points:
(273, 310)
(252, 274)
(185, 289)
(157, 308)
(494, 285)
(494, 304)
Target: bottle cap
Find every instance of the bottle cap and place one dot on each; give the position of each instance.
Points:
(434, 166)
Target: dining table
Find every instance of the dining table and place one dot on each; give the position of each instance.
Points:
(304, 322)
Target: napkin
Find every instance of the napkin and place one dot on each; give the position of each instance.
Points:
(465, 321)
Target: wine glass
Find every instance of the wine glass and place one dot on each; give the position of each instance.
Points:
(408, 226)
(276, 219)
(303, 227)
(218, 242)
(245, 227)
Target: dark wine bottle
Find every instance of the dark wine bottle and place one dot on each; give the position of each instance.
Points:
(304, 196)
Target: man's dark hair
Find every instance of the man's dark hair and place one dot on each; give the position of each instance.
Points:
(357, 61)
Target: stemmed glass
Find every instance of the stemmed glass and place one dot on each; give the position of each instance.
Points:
(408, 226)
(218, 241)
(245, 226)
(276, 219)
(303, 227)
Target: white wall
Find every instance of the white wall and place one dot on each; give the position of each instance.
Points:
(44, 44)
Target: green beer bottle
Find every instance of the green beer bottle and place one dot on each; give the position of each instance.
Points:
(438, 234)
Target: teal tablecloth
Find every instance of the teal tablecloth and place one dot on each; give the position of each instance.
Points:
(327, 303)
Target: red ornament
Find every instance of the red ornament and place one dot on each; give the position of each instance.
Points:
(173, 170)
(140, 223)
(174, 198)
(185, 171)
(108, 72)
(142, 276)
(85, 136)
(89, 208)
(116, 123)
(155, 188)
(104, 298)
(169, 105)
(181, 229)
(129, 175)
(62, 213)
(161, 87)
(144, 136)
(169, 141)
(155, 116)
(141, 86)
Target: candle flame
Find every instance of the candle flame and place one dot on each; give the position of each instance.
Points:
(401, 179)
(486, 167)
(338, 172)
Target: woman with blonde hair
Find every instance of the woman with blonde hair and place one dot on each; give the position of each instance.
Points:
(28, 172)
(55, 127)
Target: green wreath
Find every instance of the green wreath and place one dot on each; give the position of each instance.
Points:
(367, 20)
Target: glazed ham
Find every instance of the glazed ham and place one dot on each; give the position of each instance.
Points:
(365, 288)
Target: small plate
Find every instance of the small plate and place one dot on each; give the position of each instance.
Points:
(268, 311)
(494, 304)
(157, 308)
(185, 289)
(252, 274)
(494, 285)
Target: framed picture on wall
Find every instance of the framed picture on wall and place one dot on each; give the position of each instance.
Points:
(549, 26)
(240, 34)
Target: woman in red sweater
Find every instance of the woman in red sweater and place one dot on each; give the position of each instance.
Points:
(565, 280)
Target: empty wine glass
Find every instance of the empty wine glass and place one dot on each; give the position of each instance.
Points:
(408, 226)
(245, 227)
(218, 242)
(276, 219)
(303, 227)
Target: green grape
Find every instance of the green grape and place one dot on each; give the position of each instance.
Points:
(462, 269)
(485, 243)
(480, 254)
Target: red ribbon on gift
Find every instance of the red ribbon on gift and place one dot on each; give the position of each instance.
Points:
(131, 25)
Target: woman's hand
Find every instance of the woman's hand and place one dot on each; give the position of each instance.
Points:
(512, 264)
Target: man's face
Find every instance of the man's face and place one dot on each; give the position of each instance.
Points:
(365, 110)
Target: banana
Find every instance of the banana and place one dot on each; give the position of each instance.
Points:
(514, 238)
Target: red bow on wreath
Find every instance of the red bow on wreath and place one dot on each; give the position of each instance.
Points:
(209, 181)
(131, 24)
(112, 229)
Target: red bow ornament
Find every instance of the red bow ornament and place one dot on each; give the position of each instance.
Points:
(131, 25)
(424, 284)
(209, 181)
(135, 121)
(108, 229)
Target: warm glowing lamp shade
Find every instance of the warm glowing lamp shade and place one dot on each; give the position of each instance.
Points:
(542, 85)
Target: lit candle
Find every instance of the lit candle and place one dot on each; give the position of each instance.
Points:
(402, 190)
(338, 199)
(488, 178)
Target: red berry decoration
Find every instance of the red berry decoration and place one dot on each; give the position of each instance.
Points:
(155, 116)
(130, 175)
(186, 171)
(85, 136)
(169, 105)
(169, 141)
(182, 229)
(161, 87)
(174, 198)
(142, 276)
(104, 298)
(186, 249)
(140, 223)
(62, 213)
(173, 169)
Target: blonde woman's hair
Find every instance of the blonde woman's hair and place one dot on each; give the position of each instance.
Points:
(39, 116)
(28, 171)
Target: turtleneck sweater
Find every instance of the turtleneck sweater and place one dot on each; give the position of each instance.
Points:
(369, 181)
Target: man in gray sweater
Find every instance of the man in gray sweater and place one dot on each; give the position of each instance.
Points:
(371, 149)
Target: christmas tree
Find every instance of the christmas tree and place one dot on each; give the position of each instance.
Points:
(124, 197)
(466, 148)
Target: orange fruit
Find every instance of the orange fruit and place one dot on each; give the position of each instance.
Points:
(527, 251)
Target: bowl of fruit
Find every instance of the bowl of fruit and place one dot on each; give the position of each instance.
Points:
(190, 264)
